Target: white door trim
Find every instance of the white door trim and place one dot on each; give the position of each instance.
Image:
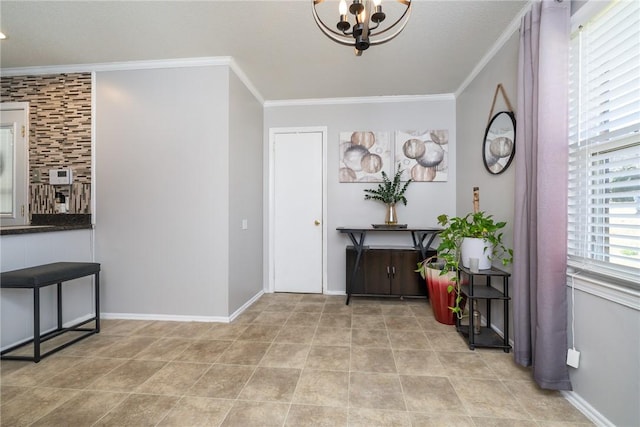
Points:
(26, 169)
(271, 201)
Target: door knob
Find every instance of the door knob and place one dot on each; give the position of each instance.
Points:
(316, 222)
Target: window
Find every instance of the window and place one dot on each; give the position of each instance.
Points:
(14, 163)
(604, 145)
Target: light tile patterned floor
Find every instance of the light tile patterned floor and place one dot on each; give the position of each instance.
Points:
(289, 360)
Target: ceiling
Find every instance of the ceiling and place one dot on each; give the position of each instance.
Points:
(276, 43)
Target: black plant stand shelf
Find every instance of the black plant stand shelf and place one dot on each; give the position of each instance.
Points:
(476, 292)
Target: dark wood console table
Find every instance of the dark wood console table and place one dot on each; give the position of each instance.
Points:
(421, 238)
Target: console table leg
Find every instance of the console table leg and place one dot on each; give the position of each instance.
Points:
(358, 244)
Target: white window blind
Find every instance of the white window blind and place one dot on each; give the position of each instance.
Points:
(604, 145)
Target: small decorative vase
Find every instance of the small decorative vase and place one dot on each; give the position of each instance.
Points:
(392, 217)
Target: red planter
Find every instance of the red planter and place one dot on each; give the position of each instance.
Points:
(440, 299)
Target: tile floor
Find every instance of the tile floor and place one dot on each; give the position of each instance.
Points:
(289, 360)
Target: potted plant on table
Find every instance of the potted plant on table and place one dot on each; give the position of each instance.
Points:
(389, 192)
(475, 235)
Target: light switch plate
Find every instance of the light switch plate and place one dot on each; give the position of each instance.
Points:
(245, 224)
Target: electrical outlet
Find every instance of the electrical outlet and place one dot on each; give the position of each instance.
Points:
(245, 224)
(573, 358)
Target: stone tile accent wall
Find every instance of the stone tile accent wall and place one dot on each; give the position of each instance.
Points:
(42, 198)
(59, 133)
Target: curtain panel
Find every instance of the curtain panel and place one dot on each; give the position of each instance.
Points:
(540, 222)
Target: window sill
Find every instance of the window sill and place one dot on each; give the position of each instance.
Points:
(606, 290)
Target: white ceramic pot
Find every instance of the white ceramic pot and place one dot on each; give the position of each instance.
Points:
(476, 248)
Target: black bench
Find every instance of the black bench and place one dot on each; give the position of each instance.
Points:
(45, 275)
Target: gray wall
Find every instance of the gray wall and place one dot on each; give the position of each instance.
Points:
(346, 205)
(607, 336)
(162, 190)
(473, 106)
(608, 378)
(245, 194)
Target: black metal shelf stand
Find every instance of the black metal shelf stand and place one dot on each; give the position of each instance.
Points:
(487, 337)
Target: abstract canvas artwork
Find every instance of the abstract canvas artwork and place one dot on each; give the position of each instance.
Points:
(422, 155)
(364, 155)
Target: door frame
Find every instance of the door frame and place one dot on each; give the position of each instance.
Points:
(270, 288)
(26, 172)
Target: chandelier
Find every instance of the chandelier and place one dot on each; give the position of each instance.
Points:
(361, 23)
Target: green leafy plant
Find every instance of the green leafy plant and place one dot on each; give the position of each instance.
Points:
(474, 225)
(389, 191)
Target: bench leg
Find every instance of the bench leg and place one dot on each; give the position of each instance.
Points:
(59, 305)
(36, 324)
(97, 291)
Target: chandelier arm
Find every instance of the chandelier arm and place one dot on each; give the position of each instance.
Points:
(405, 16)
(333, 35)
(346, 39)
(388, 38)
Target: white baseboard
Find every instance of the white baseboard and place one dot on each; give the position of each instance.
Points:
(166, 317)
(183, 318)
(589, 411)
(245, 306)
(337, 293)
(574, 398)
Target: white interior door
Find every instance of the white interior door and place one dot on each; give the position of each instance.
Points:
(297, 210)
(14, 164)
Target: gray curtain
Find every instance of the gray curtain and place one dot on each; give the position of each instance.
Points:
(540, 223)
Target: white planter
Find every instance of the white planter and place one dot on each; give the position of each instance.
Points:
(476, 248)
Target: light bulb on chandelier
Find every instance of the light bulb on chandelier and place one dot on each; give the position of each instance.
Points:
(355, 29)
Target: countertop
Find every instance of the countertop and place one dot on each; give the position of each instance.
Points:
(44, 223)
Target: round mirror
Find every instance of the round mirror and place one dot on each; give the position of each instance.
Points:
(499, 142)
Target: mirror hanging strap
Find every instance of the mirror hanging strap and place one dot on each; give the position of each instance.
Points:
(495, 96)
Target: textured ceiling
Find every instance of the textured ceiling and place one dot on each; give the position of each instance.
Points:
(275, 43)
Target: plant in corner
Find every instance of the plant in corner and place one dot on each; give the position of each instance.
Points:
(454, 240)
(440, 284)
(389, 192)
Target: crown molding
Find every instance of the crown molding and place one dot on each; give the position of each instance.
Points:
(359, 100)
(117, 66)
(138, 65)
(514, 26)
(245, 80)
